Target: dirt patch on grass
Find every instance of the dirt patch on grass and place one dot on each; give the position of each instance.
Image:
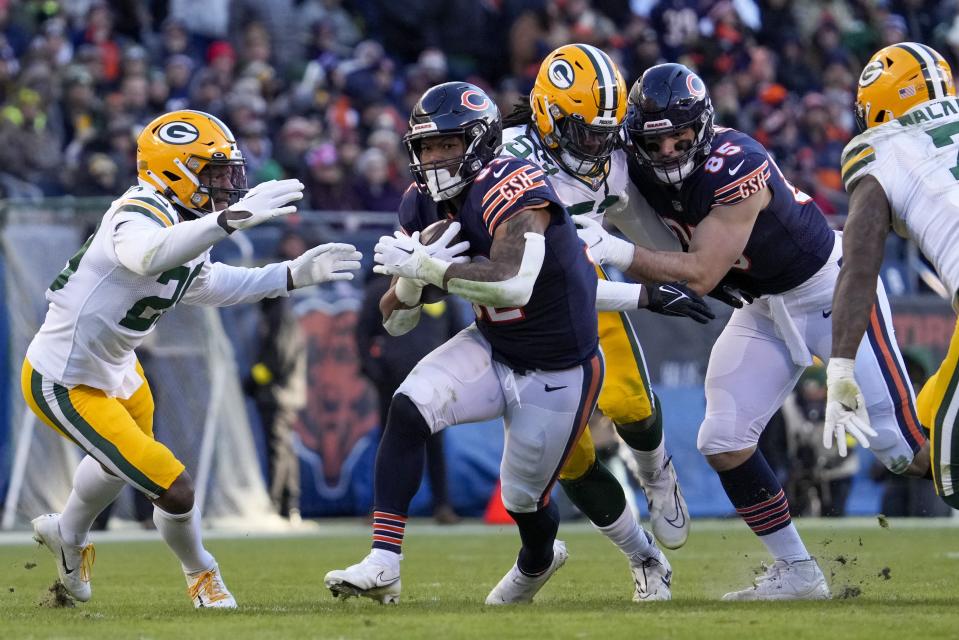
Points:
(57, 597)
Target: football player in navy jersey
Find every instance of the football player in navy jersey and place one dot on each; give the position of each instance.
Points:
(532, 357)
(744, 227)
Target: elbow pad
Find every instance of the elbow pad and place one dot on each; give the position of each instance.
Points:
(402, 321)
(514, 292)
(617, 296)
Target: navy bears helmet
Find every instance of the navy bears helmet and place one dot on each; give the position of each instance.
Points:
(666, 99)
(453, 108)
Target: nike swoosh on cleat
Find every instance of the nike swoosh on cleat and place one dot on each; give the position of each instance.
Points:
(549, 388)
(383, 583)
(826, 314)
(680, 516)
(67, 569)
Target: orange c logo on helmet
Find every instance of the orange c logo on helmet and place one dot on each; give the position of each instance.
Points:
(695, 85)
(475, 100)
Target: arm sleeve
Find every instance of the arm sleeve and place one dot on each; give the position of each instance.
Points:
(221, 285)
(145, 247)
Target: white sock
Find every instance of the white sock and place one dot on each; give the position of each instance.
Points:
(93, 491)
(786, 544)
(388, 558)
(651, 463)
(626, 534)
(181, 532)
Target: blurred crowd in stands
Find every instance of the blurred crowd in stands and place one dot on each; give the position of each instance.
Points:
(321, 89)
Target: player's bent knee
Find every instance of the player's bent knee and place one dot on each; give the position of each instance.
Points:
(517, 499)
(624, 408)
(720, 437)
(179, 497)
(407, 418)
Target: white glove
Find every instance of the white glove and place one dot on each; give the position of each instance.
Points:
(604, 247)
(325, 263)
(845, 407)
(441, 250)
(262, 203)
(405, 256)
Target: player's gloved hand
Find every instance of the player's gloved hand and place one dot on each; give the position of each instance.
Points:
(732, 296)
(845, 407)
(262, 203)
(325, 263)
(405, 256)
(441, 249)
(604, 247)
(676, 299)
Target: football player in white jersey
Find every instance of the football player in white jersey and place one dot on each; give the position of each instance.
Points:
(572, 129)
(901, 173)
(150, 251)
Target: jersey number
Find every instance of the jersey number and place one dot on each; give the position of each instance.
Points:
(502, 315)
(146, 311)
(942, 137)
(72, 264)
(587, 207)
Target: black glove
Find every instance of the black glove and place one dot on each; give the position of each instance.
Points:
(676, 299)
(732, 296)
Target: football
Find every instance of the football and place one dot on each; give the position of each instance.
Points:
(429, 235)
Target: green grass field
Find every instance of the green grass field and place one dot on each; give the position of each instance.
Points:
(139, 591)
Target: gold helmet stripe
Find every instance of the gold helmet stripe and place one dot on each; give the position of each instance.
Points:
(608, 98)
(935, 85)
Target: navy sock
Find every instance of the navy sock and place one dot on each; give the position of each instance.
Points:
(758, 496)
(398, 472)
(537, 530)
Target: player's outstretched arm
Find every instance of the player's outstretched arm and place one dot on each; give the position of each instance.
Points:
(505, 280)
(147, 249)
(714, 247)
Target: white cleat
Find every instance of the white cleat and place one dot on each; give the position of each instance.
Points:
(668, 514)
(516, 587)
(800, 580)
(368, 578)
(74, 562)
(653, 577)
(207, 590)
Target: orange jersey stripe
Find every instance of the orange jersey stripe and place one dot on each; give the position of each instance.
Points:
(495, 188)
(734, 185)
(491, 225)
(901, 387)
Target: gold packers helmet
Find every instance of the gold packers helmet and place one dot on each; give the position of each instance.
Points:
(579, 104)
(899, 77)
(177, 152)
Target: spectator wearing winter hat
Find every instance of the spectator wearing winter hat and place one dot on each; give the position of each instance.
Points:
(326, 188)
(372, 186)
